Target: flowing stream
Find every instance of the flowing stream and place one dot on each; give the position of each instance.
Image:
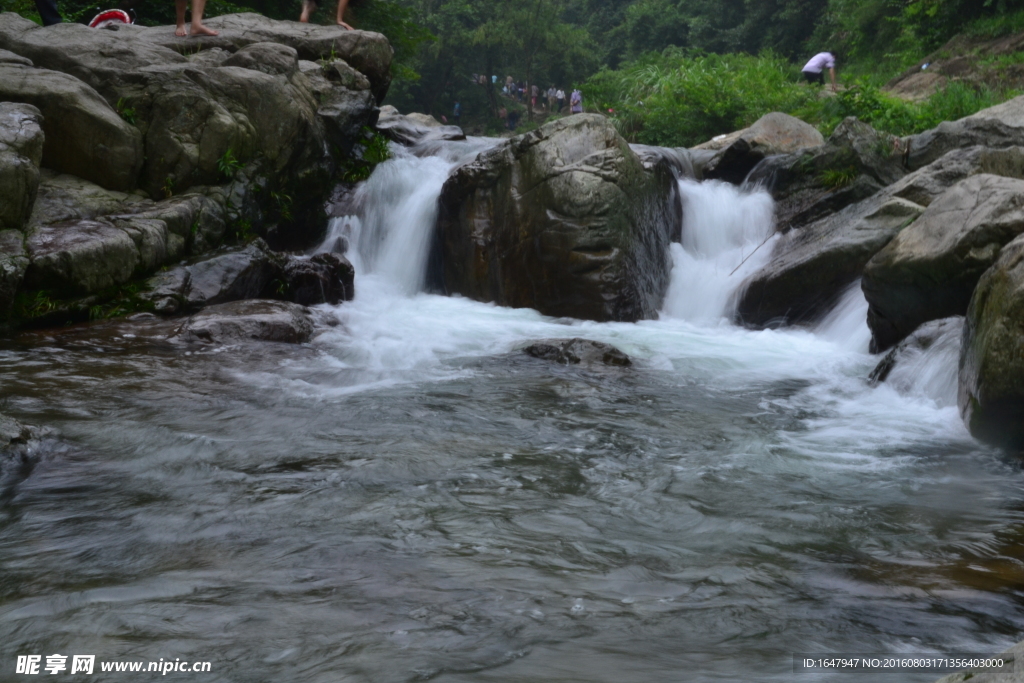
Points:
(410, 497)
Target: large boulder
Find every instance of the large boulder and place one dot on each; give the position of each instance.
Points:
(84, 135)
(414, 129)
(774, 133)
(811, 265)
(991, 395)
(564, 219)
(929, 270)
(80, 257)
(254, 320)
(21, 152)
(322, 278)
(998, 126)
(810, 268)
(855, 162)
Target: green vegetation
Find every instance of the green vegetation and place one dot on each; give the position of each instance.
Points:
(228, 165)
(360, 165)
(125, 112)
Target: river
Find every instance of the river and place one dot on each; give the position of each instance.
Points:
(410, 497)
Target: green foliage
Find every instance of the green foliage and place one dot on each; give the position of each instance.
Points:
(836, 178)
(358, 166)
(168, 187)
(228, 165)
(242, 231)
(125, 112)
(682, 98)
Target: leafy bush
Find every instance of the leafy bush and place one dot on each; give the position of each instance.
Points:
(681, 98)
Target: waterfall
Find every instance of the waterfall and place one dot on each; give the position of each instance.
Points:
(723, 241)
(846, 324)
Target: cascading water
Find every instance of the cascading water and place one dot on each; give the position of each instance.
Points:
(410, 497)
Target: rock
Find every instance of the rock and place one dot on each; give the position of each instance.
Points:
(930, 269)
(773, 133)
(21, 153)
(345, 113)
(410, 130)
(68, 198)
(270, 58)
(13, 264)
(79, 257)
(678, 159)
(576, 351)
(338, 71)
(856, 162)
(812, 266)
(322, 278)
(991, 389)
(84, 135)
(243, 274)
(7, 57)
(259, 320)
(913, 361)
(563, 219)
(998, 126)
(369, 53)
(12, 432)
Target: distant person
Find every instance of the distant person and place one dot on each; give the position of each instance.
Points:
(309, 6)
(560, 98)
(48, 12)
(576, 102)
(196, 28)
(814, 70)
(513, 119)
(457, 113)
(534, 93)
(550, 95)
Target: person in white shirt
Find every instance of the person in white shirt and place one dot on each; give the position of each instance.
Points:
(814, 70)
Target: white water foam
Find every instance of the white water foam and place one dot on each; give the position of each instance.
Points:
(726, 236)
(846, 324)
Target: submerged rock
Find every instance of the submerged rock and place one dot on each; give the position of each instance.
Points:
(578, 351)
(925, 363)
(930, 269)
(991, 392)
(565, 220)
(252, 320)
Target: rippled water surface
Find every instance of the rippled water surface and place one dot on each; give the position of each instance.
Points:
(411, 497)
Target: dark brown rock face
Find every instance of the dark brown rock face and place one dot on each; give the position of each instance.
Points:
(564, 219)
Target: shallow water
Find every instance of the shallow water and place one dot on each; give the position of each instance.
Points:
(411, 497)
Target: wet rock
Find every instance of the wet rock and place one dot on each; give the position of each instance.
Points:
(338, 71)
(774, 133)
(991, 388)
(563, 219)
(946, 331)
(812, 264)
(12, 432)
(930, 269)
(679, 159)
(578, 351)
(998, 126)
(84, 135)
(344, 114)
(13, 264)
(322, 278)
(412, 130)
(1014, 654)
(79, 257)
(252, 320)
(21, 153)
(64, 197)
(855, 162)
(243, 274)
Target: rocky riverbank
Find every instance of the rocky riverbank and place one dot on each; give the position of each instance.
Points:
(125, 150)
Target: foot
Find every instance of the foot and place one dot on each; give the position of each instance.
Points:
(180, 31)
(345, 26)
(200, 30)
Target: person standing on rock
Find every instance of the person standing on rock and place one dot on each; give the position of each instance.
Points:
(48, 12)
(309, 6)
(196, 28)
(457, 113)
(576, 102)
(814, 70)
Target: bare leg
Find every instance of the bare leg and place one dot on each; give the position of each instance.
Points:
(342, 4)
(179, 9)
(308, 6)
(197, 28)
